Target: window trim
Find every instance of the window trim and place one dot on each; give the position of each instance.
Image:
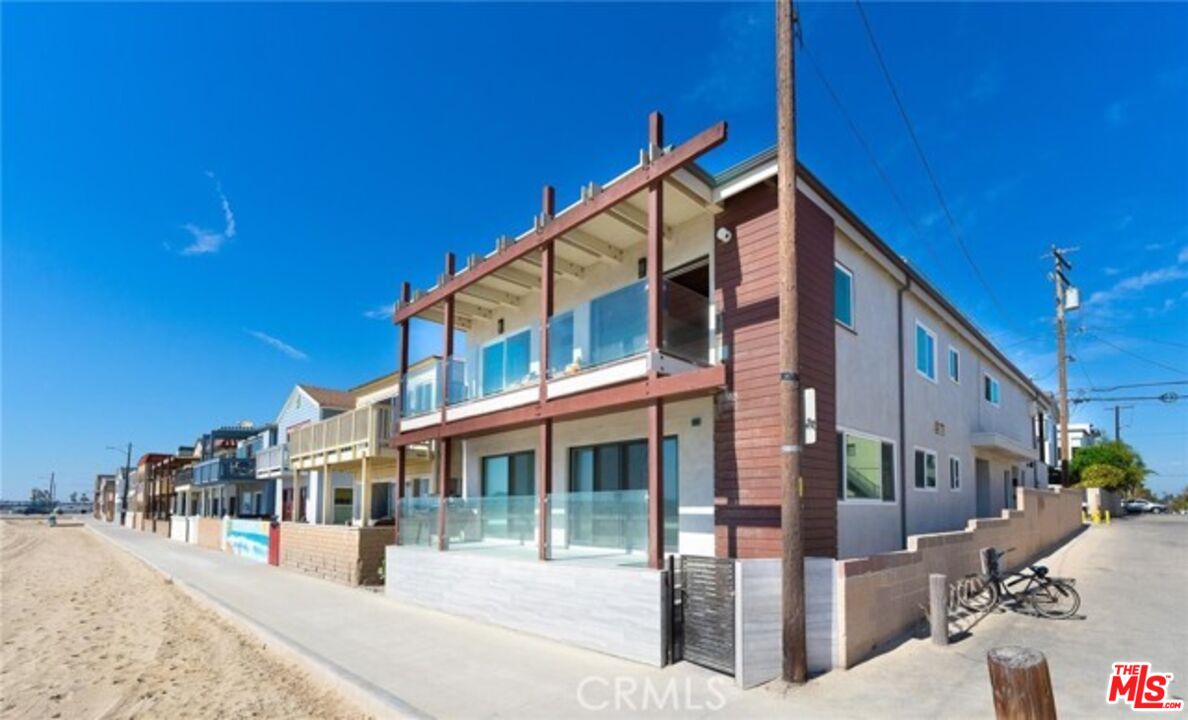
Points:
(894, 468)
(995, 383)
(953, 352)
(955, 459)
(936, 462)
(916, 354)
(852, 325)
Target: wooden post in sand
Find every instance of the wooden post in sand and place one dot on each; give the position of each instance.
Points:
(1021, 684)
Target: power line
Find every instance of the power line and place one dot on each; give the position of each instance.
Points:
(1112, 388)
(870, 154)
(1136, 356)
(956, 231)
(1158, 341)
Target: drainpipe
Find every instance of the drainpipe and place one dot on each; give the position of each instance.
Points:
(902, 429)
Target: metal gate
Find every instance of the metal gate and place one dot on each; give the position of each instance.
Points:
(704, 619)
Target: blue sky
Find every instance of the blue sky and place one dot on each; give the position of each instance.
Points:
(204, 204)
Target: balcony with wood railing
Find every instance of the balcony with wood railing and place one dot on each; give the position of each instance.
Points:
(353, 435)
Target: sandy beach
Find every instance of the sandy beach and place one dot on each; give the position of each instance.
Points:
(88, 631)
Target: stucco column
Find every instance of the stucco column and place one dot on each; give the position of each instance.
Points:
(364, 496)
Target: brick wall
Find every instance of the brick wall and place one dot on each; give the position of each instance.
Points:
(747, 429)
(347, 555)
(881, 598)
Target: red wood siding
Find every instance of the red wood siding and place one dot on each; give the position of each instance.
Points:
(747, 430)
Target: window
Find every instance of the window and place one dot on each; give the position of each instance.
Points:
(990, 390)
(954, 473)
(954, 364)
(925, 352)
(507, 362)
(843, 296)
(512, 474)
(925, 469)
(616, 467)
(868, 468)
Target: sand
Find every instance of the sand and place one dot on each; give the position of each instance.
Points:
(88, 631)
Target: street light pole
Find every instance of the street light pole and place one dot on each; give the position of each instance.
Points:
(127, 480)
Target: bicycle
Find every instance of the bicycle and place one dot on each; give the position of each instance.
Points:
(1048, 596)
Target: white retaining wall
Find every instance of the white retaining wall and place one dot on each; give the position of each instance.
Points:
(613, 610)
(758, 636)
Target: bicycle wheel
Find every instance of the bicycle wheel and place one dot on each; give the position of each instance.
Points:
(978, 594)
(1055, 599)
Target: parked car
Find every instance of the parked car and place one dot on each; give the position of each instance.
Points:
(1143, 506)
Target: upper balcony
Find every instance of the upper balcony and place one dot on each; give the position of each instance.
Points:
(272, 462)
(602, 341)
(362, 432)
(221, 470)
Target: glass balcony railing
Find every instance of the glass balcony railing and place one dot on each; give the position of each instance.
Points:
(418, 521)
(599, 524)
(614, 326)
(507, 522)
(224, 470)
(603, 330)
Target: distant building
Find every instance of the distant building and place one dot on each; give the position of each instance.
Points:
(105, 494)
(1081, 435)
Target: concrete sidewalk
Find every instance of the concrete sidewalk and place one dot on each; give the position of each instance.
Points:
(1131, 575)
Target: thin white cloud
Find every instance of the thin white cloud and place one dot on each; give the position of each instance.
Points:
(1137, 283)
(380, 312)
(207, 241)
(1110, 271)
(1183, 256)
(731, 82)
(279, 344)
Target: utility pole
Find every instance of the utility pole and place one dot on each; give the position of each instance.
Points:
(795, 660)
(1118, 421)
(1062, 284)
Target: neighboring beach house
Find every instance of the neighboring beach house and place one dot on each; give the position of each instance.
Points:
(222, 478)
(104, 497)
(616, 402)
(344, 472)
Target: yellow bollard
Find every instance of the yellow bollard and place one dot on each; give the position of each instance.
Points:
(1096, 517)
(1107, 517)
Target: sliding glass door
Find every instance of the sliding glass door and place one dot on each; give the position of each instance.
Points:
(607, 503)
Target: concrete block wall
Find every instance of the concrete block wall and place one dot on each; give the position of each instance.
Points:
(347, 555)
(210, 533)
(880, 599)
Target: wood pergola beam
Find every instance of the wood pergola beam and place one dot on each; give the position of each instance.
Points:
(599, 249)
(630, 184)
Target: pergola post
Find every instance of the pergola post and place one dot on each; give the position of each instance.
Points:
(544, 451)
(655, 275)
(405, 296)
(443, 478)
(443, 460)
(400, 472)
(327, 496)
